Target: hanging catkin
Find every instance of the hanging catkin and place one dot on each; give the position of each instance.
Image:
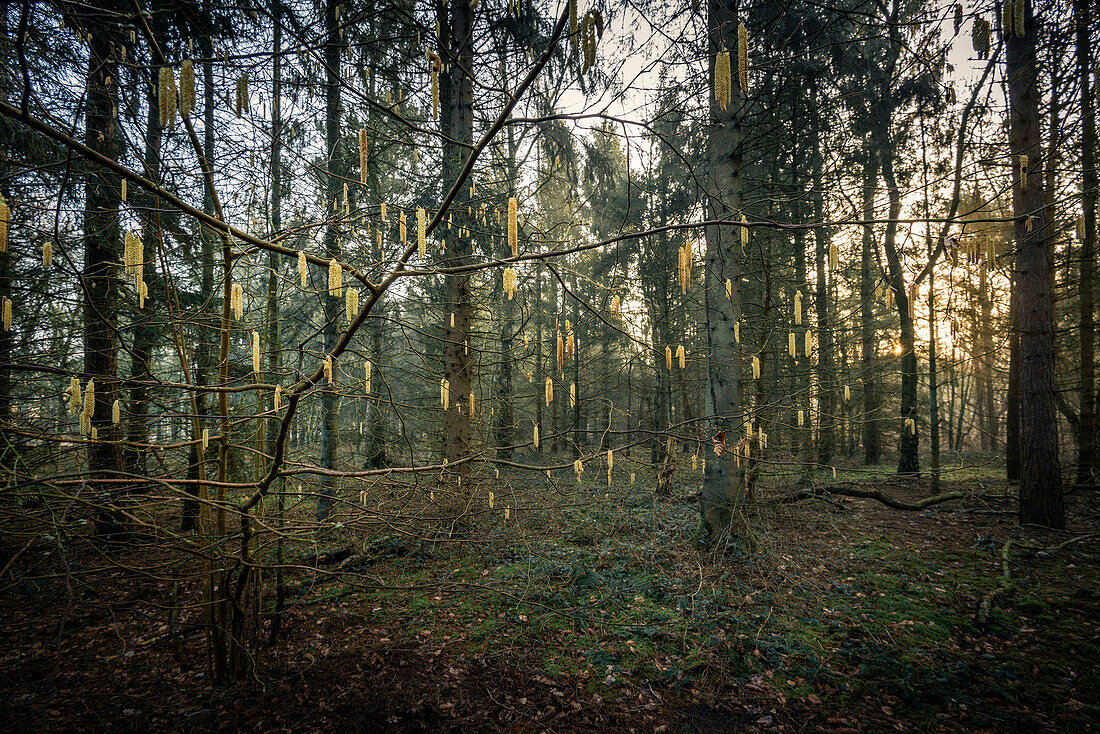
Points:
(834, 259)
(578, 469)
(510, 282)
(681, 356)
(5, 218)
(47, 253)
(791, 349)
(187, 89)
(471, 403)
(116, 412)
(755, 367)
(330, 378)
(615, 305)
(166, 92)
(241, 106)
(572, 394)
(737, 332)
(561, 351)
(74, 394)
(366, 378)
(722, 79)
(278, 398)
(205, 439)
(236, 300)
(383, 212)
(743, 57)
(122, 192)
(1023, 171)
(847, 393)
(798, 308)
(744, 231)
(363, 155)
(401, 229)
(809, 342)
(535, 435)
(335, 278)
(445, 393)
(352, 303)
(549, 390)
(421, 231)
(7, 314)
(801, 418)
(256, 352)
(668, 357)
(513, 225)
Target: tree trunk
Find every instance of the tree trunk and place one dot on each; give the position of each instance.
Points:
(1041, 500)
(723, 481)
(1088, 462)
(867, 315)
(826, 370)
(99, 277)
(457, 121)
(334, 180)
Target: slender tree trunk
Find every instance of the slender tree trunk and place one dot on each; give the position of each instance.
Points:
(99, 276)
(723, 481)
(826, 369)
(1041, 500)
(1012, 399)
(867, 325)
(333, 306)
(908, 461)
(457, 120)
(1088, 462)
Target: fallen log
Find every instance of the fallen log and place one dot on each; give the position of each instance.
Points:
(808, 493)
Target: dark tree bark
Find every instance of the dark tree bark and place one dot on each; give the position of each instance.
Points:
(1088, 462)
(456, 96)
(867, 315)
(1041, 501)
(826, 370)
(333, 304)
(99, 276)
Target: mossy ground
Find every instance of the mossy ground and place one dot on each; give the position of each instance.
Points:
(595, 608)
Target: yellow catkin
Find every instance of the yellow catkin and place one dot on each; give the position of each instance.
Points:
(277, 400)
(329, 377)
(668, 357)
(681, 357)
(89, 400)
(166, 92)
(7, 314)
(801, 418)
(791, 349)
(798, 308)
(561, 351)
(421, 231)
(729, 290)
(187, 88)
(445, 393)
(834, 259)
(122, 192)
(241, 106)
(116, 412)
(401, 228)
(744, 231)
(5, 218)
(47, 253)
(737, 332)
(363, 155)
(303, 268)
(615, 305)
(572, 394)
(535, 435)
(513, 226)
(335, 278)
(205, 439)
(471, 403)
(510, 282)
(549, 390)
(382, 210)
(743, 57)
(722, 79)
(1023, 171)
(352, 303)
(809, 343)
(236, 300)
(847, 393)
(435, 94)
(74, 394)
(578, 469)
(755, 367)
(256, 352)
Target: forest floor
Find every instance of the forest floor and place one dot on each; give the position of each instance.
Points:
(601, 613)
